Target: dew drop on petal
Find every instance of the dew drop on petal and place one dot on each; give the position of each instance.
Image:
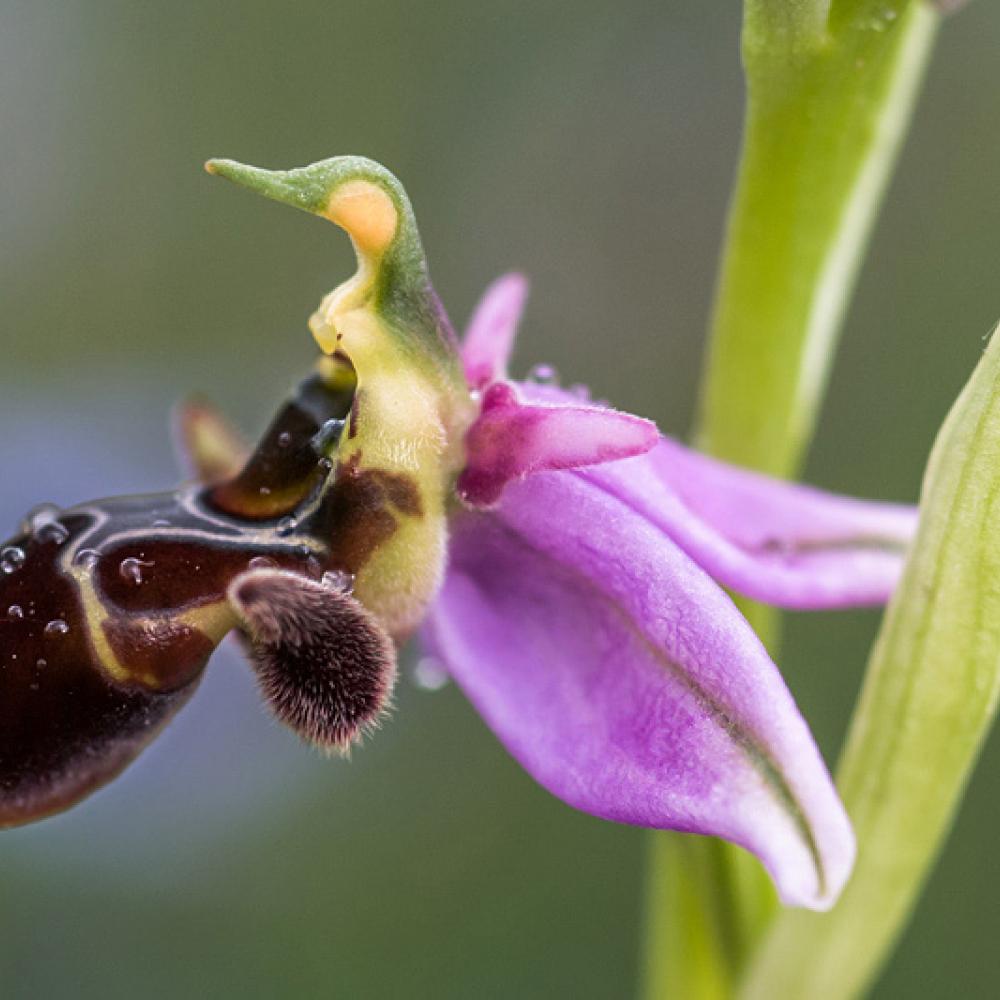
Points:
(41, 663)
(87, 558)
(52, 532)
(284, 439)
(56, 627)
(339, 579)
(543, 375)
(15, 612)
(11, 559)
(40, 514)
(161, 522)
(131, 569)
(430, 674)
(42, 523)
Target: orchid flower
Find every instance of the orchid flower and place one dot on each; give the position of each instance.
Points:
(563, 561)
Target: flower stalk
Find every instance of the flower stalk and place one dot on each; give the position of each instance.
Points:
(830, 89)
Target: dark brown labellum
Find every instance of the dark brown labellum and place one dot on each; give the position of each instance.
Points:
(109, 611)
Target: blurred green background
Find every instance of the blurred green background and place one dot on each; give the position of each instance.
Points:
(591, 147)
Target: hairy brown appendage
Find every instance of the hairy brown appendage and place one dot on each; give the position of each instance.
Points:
(324, 665)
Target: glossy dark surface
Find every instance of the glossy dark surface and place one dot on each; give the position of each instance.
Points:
(109, 611)
(65, 726)
(283, 469)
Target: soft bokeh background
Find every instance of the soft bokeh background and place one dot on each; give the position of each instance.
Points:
(592, 147)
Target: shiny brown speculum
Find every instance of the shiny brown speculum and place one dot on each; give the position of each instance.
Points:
(110, 610)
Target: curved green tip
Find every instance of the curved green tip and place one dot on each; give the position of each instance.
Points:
(370, 204)
(307, 188)
(356, 193)
(311, 188)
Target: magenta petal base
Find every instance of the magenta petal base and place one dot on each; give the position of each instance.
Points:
(512, 439)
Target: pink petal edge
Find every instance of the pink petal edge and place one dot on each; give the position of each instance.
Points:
(512, 439)
(489, 337)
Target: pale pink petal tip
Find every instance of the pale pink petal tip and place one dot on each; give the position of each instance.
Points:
(512, 439)
(489, 337)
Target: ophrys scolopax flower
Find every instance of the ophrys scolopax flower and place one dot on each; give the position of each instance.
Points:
(562, 560)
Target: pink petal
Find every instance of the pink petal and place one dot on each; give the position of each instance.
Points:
(489, 337)
(777, 542)
(626, 682)
(774, 541)
(512, 439)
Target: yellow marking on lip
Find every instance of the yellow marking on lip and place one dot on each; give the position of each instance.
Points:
(215, 620)
(367, 213)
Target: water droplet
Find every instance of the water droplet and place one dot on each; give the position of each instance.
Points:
(56, 627)
(54, 531)
(11, 559)
(339, 579)
(131, 569)
(41, 664)
(286, 526)
(42, 523)
(15, 611)
(543, 375)
(265, 491)
(262, 562)
(430, 674)
(87, 558)
(40, 514)
(161, 522)
(284, 439)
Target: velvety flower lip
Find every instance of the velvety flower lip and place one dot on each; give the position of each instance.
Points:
(582, 615)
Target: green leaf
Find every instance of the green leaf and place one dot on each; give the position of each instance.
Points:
(929, 698)
(831, 86)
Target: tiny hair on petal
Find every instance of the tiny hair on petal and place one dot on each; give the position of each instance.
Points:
(324, 665)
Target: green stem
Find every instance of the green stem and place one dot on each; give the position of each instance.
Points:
(830, 89)
(688, 949)
(929, 698)
(826, 111)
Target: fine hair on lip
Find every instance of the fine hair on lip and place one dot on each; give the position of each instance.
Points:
(324, 665)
